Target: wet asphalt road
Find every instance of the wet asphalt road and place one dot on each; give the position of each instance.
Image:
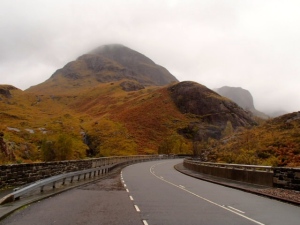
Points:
(154, 193)
(103, 202)
(165, 196)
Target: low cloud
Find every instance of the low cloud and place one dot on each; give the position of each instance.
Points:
(249, 44)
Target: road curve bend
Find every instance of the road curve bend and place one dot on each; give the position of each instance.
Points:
(162, 195)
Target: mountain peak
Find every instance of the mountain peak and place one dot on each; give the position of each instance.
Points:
(107, 63)
(123, 55)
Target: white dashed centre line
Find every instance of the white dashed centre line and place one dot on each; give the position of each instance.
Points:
(127, 190)
(145, 222)
(131, 198)
(137, 208)
(235, 209)
(205, 199)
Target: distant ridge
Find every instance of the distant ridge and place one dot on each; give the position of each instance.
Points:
(242, 97)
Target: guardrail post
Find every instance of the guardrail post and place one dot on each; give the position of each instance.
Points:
(42, 189)
(64, 180)
(53, 186)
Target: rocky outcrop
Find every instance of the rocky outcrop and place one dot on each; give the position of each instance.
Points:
(137, 63)
(5, 90)
(131, 86)
(242, 97)
(212, 110)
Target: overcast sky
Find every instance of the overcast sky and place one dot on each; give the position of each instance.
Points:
(253, 44)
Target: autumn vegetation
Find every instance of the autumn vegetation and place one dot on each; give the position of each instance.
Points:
(107, 121)
(99, 106)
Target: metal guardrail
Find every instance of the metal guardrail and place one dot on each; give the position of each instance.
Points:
(111, 162)
(231, 166)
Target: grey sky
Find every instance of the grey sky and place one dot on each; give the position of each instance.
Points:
(252, 44)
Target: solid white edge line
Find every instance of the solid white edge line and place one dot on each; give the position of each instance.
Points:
(181, 186)
(131, 198)
(235, 209)
(221, 206)
(145, 222)
(137, 208)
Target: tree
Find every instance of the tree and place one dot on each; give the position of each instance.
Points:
(228, 129)
(62, 149)
(47, 149)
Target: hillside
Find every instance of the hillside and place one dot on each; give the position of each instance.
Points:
(242, 97)
(112, 101)
(108, 120)
(276, 143)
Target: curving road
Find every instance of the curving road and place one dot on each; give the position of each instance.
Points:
(165, 196)
(155, 194)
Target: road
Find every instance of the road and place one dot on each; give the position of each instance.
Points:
(165, 196)
(153, 193)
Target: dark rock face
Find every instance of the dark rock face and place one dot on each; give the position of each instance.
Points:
(242, 97)
(212, 110)
(131, 86)
(5, 90)
(136, 62)
(239, 95)
(111, 63)
(6, 93)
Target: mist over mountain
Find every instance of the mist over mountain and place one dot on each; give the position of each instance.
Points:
(108, 63)
(242, 97)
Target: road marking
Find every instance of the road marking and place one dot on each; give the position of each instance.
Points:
(145, 222)
(161, 177)
(205, 199)
(235, 209)
(124, 185)
(137, 208)
(127, 190)
(181, 186)
(131, 198)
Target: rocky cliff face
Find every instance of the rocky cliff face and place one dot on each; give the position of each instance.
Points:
(213, 110)
(137, 63)
(5, 91)
(242, 97)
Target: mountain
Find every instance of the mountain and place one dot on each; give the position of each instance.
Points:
(113, 101)
(108, 63)
(242, 97)
(213, 111)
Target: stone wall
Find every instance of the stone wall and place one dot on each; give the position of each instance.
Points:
(20, 174)
(288, 178)
(248, 176)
